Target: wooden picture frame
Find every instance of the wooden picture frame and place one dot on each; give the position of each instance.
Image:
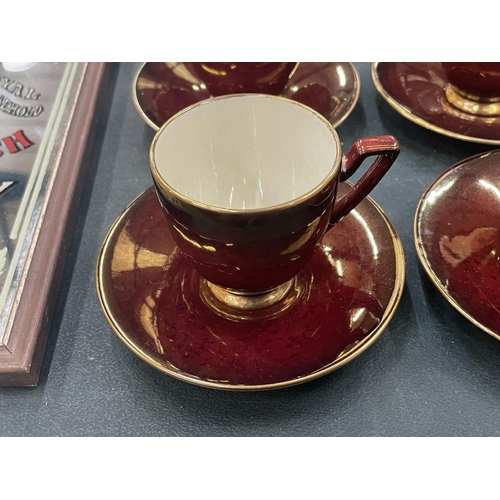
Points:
(27, 327)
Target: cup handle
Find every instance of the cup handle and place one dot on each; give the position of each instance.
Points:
(386, 148)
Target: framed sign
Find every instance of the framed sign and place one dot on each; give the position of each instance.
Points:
(48, 115)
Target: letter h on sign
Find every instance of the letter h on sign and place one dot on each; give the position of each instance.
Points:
(16, 142)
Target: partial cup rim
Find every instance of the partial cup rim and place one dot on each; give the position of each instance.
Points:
(172, 192)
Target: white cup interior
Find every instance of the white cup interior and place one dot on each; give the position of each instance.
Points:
(246, 152)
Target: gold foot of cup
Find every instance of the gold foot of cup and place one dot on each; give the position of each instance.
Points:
(241, 306)
(472, 104)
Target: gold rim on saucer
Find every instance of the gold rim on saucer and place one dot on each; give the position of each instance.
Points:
(410, 115)
(347, 355)
(422, 253)
(355, 99)
(335, 123)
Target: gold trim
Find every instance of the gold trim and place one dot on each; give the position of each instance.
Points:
(137, 106)
(357, 92)
(344, 358)
(408, 113)
(467, 103)
(294, 70)
(335, 124)
(245, 301)
(425, 262)
(292, 292)
(273, 208)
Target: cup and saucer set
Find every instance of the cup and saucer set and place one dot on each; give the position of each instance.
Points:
(457, 221)
(252, 262)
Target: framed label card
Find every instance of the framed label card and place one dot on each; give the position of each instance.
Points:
(48, 114)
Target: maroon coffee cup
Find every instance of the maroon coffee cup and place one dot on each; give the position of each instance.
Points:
(473, 87)
(222, 78)
(248, 184)
(477, 79)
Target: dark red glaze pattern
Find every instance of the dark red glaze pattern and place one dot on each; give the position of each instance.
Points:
(222, 78)
(249, 251)
(164, 89)
(257, 251)
(151, 297)
(330, 88)
(477, 78)
(458, 234)
(386, 149)
(419, 87)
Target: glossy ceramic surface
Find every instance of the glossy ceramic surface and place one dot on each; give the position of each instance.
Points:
(271, 230)
(416, 90)
(480, 79)
(160, 90)
(457, 236)
(222, 78)
(150, 295)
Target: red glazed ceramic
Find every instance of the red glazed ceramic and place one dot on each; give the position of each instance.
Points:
(480, 80)
(473, 88)
(457, 236)
(248, 184)
(418, 92)
(150, 295)
(222, 78)
(161, 90)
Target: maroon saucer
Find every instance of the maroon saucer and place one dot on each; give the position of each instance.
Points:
(150, 296)
(416, 90)
(160, 90)
(457, 236)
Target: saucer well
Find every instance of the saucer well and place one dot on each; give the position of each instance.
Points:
(150, 296)
(160, 90)
(457, 237)
(416, 90)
